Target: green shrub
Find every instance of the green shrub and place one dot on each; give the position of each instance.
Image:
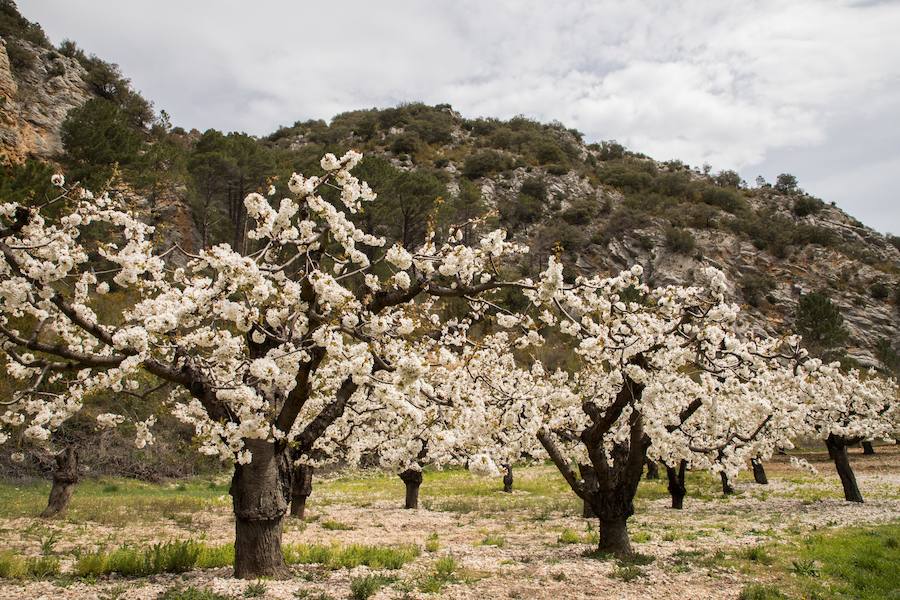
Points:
(364, 587)
(257, 589)
(756, 287)
(98, 133)
(12, 566)
(405, 144)
(807, 205)
(485, 162)
(880, 290)
(756, 591)
(727, 199)
(192, 593)
(820, 323)
(680, 240)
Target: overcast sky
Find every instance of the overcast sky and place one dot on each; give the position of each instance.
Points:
(810, 87)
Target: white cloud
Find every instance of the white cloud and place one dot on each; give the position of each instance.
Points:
(728, 83)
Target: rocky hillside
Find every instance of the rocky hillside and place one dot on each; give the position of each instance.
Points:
(599, 206)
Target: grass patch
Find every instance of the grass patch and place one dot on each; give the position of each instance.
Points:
(855, 562)
(361, 588)
(192, 593)
(493, 540)
(13, 566)
(444, 572)
(756, 591)
(432, 544)
(627, 572)
(167, 557)
(354, 555)
(257, 589)
(332, 525)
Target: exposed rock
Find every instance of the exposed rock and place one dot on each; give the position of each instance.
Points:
(34, 101)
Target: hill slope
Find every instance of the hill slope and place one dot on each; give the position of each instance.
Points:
(599, 206)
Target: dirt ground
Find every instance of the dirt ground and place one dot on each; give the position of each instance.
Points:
(505, 546)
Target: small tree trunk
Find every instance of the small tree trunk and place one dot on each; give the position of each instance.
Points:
(676, 484)
(508, 479)
(260, 492)
(727, 489)
(413, 479)
(64, 479)
(590, 482)
(614, 536)
(759, 472)
(867, 448)
(837, 450)
(301, 489)
(652, 470)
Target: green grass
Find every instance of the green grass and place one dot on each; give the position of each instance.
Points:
(351, 556)
(494, 540)
(756, 591)
(331, 525)
(361, 588)
(858, 563)
(117, 502)
(443, 573)
(179, 557)
(432, 544)
(192, 593)
(13, 566)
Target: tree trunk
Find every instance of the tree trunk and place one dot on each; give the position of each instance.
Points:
(727, 488)
(301, 489)
(413, 479)
(260, 492)
(64, 479)
(837, 450)
(867, 448)
(652, 470)
(759, 472)
(508, 479)
(614, 536)
(676, 484)
(590, 482)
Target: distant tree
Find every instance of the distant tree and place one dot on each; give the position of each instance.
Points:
(98, 134)
(821, 324)
(786, 184)
(611, 150)
(728, 178)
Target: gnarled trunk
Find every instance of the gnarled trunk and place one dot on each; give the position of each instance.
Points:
(652, 470)
(260, 492)
(837, 450)
(727, 488)
(590, 483)
(301, 489)
(65, 476)
(759, 472)
(676, 484)
(507, 478)
(413, 479)
(867, 448)
(614, 536)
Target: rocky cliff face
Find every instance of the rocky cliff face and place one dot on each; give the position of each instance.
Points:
(34, 100)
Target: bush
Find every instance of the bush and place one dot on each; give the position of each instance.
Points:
(680, 240)
(405, 144)
(725, 198)
(807, 205)
(756, 287)
(364, 587)
(485, 162)
(820, 323)
(20, 57)
(535, 187)
(880, 290)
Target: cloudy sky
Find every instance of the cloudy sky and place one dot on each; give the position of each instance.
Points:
(807, 87)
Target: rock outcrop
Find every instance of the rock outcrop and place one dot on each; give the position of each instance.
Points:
(34, 100)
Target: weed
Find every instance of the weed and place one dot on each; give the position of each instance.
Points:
(627, 572)
(335, 525)
(756, 591)
(362, 588)
(257, 589)
(493, 540)
(432, 544)
(192, 593)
